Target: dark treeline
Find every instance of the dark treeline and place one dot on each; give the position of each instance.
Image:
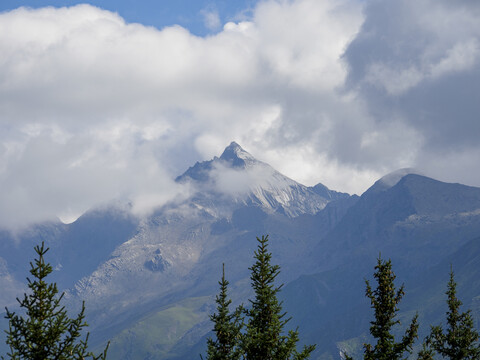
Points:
(253, 332)
(256, 332)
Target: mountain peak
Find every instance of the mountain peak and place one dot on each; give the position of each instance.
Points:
(234, 146)
(390, 180)
(394, 177)
(245, 180)
(235, 155)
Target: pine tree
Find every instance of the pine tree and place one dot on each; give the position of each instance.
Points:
(227, 327)
(46, 332)
(460, 341)
(426, 353)
(263, 339)
(384, 300)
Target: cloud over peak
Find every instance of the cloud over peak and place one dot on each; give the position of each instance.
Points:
(94, 108)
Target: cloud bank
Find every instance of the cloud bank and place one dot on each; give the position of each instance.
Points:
(95, 109)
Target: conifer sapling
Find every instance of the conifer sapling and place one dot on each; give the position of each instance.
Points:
(46, 332)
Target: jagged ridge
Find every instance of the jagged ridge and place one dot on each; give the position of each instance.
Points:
(263, 185)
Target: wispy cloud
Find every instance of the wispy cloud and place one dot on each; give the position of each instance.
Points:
(211, 19)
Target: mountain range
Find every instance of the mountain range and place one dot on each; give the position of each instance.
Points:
(149, 282)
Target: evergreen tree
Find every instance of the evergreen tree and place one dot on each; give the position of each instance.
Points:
(426, 353)
(46, 332)
(263, 339)
(227, 327)
(460, 341)
(384, 300)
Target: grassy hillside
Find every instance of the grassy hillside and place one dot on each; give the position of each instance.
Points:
(155, 336)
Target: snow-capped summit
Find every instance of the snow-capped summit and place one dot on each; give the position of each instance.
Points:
(238, 176)
(234, 156)
(237, 156)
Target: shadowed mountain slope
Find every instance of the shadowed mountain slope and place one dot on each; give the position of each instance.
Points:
(149, 282)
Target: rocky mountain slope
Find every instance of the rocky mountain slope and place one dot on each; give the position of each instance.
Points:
(149, 283)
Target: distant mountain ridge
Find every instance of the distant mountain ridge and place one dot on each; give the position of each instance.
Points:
(159, 272)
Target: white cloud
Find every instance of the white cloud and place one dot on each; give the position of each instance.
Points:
(394, 81)
(461, 57)
(211, 19)
(421, 41)
(303, 41)
(95, 109)
(236, 182)
(417, 63)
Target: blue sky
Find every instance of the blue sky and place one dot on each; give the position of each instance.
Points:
(187, 13)
(98, 105)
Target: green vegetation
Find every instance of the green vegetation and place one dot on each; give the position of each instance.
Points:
(159, 333)
(263, 338)
(384, 300)
(257, 332)
(227, 327)
(460, 340)
(46, 332)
